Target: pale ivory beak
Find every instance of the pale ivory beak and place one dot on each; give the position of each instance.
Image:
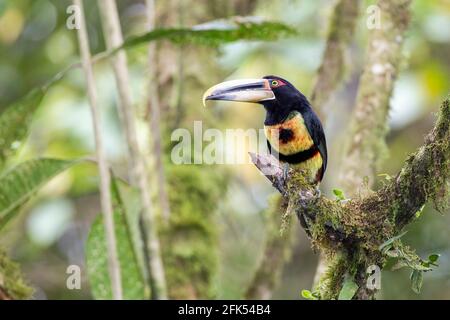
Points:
(244, 90)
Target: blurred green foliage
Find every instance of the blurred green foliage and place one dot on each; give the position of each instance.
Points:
(132, 276)
(11, 277)
(189, 240)
(18, 184)
(35, 44)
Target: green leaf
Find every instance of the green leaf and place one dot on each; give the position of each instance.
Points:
(416, 280)
(215, 33)
(339, 194)
(15, 121)
(391, 241)
(132, 205)
(419, 266)
(434, 257)
(97, 258)
(19, 183)
(419, 212)
(308, 295)
(348, 290)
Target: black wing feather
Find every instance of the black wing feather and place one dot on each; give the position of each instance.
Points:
(317, 134)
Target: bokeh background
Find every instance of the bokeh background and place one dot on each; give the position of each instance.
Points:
(35, 44)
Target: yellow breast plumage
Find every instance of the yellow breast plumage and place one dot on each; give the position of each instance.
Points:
(290, 139)
(290, 136)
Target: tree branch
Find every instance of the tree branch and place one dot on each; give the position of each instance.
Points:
(105, 178)
(425, 176)
(367, 146)
(329, 77)
(332, 69)
(113, 36)
(350, 232)
(277, 250)
(154, 118)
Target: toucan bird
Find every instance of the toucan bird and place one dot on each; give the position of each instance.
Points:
(294, 132)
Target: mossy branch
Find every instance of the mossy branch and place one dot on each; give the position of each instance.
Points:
(425, 176)
(350, 232)
(12, 284)
(333, 69)
(329, 77)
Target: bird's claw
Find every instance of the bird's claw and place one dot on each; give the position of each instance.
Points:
(285, 171)
(318, 192)
(280, 186)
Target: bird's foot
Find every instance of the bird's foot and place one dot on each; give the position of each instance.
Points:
(281, 182)
(280, 185)
(318, 192)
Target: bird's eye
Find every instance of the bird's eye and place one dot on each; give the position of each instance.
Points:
(274, 83)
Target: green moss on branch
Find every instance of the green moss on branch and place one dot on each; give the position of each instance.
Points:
(12, 284)
(190, 239)
(424, 177)
(351, 232)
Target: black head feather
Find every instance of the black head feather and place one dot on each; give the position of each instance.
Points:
(287, 99)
